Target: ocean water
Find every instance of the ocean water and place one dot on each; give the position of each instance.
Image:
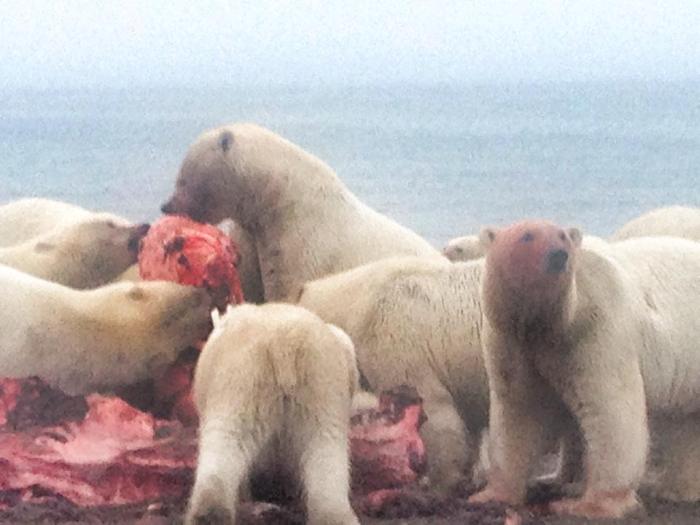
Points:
(442, 160)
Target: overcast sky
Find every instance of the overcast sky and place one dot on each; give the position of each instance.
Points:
(79, 43)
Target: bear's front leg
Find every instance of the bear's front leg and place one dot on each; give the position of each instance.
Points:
(520, 406)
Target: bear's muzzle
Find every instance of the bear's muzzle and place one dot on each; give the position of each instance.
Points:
(556, 261)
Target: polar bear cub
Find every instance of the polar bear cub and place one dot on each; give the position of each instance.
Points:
(274, 386)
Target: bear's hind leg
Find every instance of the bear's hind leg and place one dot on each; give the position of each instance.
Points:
(325, 475)
(676, 446)
(224, 461)
(611, 413)
(452, 451)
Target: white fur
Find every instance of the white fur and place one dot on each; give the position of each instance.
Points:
(676, 221)
(304, 221)
(25, 219)
(274, 387)
(464, 248)
(86, 253)
(418, 321)
(80, 341)
(248, 266)
(627, 352)
(130, 275)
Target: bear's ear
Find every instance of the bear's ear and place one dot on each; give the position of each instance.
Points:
(487, 235)
(43, 247)
(575, 235)
(225, 140)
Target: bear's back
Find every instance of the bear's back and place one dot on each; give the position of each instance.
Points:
(677, 221)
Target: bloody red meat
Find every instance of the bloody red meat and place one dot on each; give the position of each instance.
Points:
(118, 455)
(187, 252)
(115, 455)
(181, 250)
(64, 454)
(387, 450)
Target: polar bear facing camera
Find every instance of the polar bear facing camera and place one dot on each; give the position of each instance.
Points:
(85, 340)
(273, 387)
(304, 221)
(84, 254)
(594, 334)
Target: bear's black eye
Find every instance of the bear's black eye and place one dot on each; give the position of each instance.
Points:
(459, 250)
(562, 236)
(528, 237)
(136, 293)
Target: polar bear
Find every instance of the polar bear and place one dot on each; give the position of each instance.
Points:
(418, 321)
(85, 254)
(83, 340)
(463, 248)
(304, 221)
(601, 335)
(676, 221)
(25, 219)
(273, 387)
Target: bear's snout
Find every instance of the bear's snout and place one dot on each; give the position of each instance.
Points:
(556, 261)
(137, 233)
(169, 207)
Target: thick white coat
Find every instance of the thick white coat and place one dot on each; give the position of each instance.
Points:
(677, 221)
(304, 221)
(418, 321)
(83, 340)
(273, 387)
(25, 219)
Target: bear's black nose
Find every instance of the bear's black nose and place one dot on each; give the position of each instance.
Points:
(167, 208)
(137, 233)
(556, 261)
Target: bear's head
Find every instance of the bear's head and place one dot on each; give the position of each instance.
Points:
(464, 248)
(205, 182)
(246, 173)
(94, 251)
(179, 315)
(529, 269)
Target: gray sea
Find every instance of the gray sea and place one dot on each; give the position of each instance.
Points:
(443, 160)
